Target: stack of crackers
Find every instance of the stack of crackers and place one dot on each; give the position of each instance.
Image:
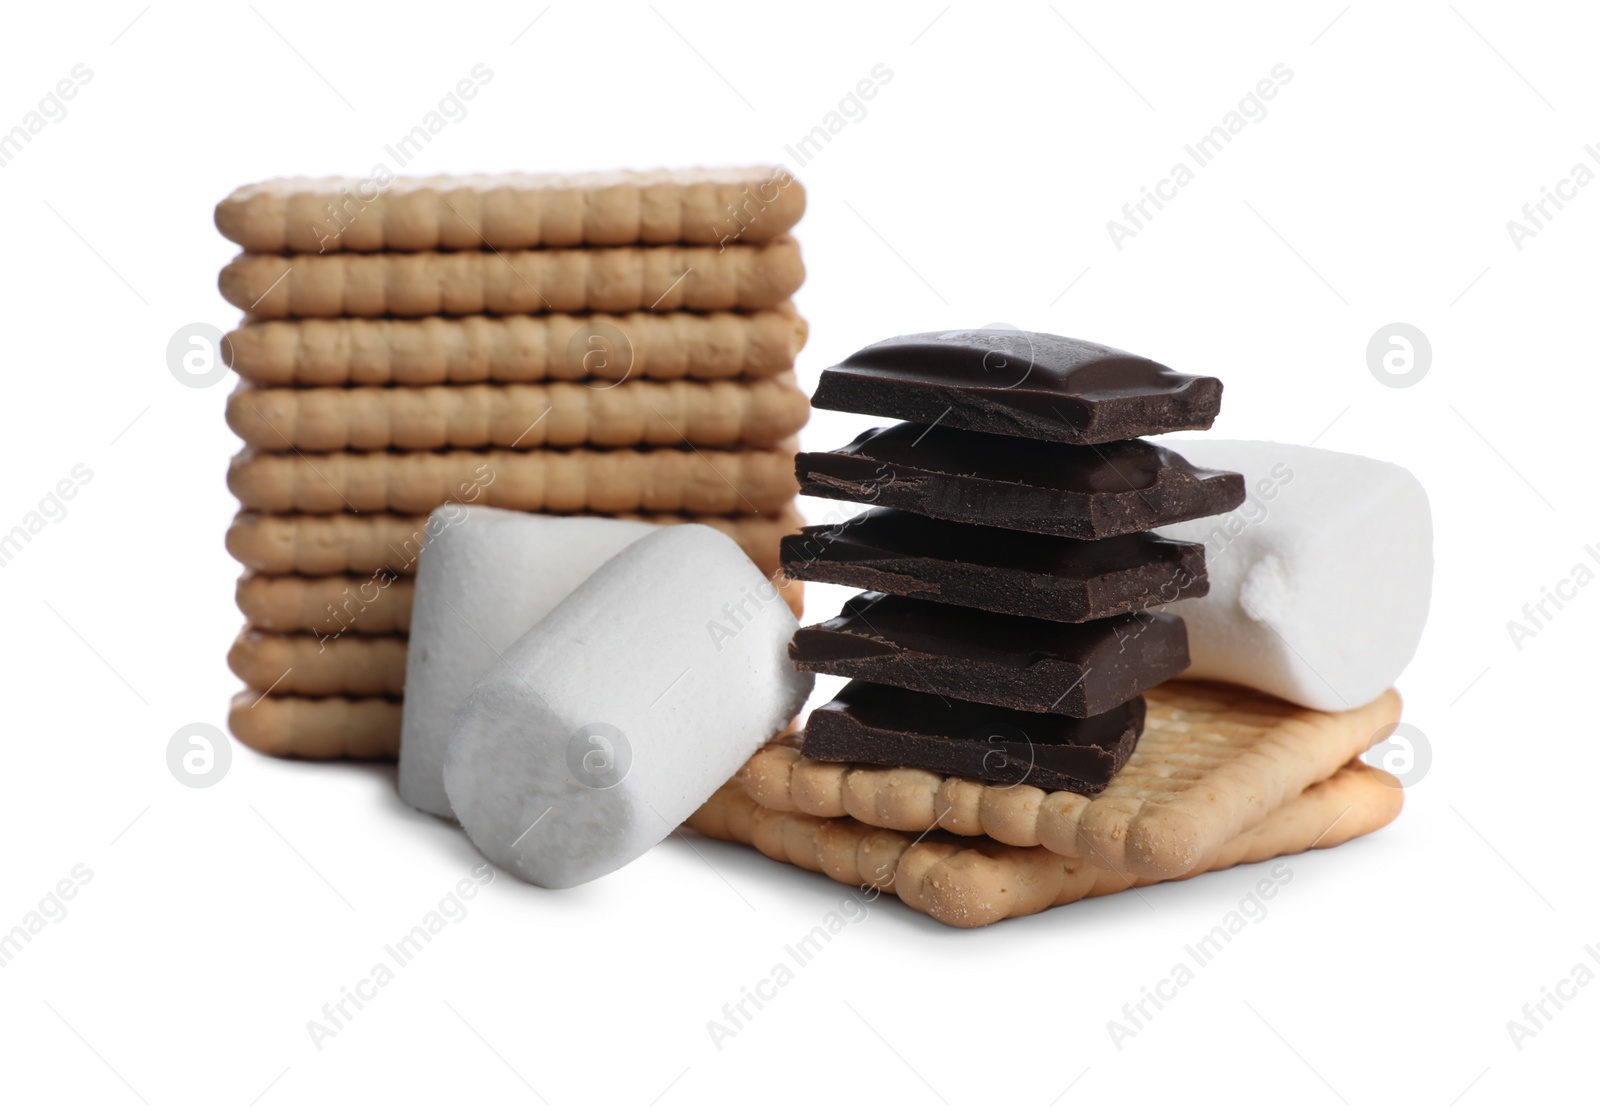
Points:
(619, 344)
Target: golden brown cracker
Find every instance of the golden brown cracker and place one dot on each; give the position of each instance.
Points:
(561, 481)
(557, 415)
(1214, 760)
(700, 205)
(972, 881)
(331, 727)
(327, 544)
(320, 665)
(550, 280)
(379, 603)
(600, 347)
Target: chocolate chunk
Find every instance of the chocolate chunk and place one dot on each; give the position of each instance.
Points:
(1084, 491)
(873, 724)
(1027, 664)
(1024, 384)
(997, 569)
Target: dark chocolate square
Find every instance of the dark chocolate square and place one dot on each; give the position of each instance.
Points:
(1082, 491)
(873, 724)
(1027, 664)
(997, 569)
(1022, 384)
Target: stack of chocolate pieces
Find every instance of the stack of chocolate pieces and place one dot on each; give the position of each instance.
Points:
(1005, 633)
(619, 344)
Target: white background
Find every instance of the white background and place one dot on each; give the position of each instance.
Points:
(976, 189)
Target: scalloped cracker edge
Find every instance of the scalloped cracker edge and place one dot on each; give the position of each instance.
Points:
(974, 881)
(1214, 760)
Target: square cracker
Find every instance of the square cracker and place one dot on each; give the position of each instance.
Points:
(316, 665)
(557, 481)
(706, 205)
(973, 881)
(331, 607)
(1214, 760)
(327, 544)
(329, 727)
(554, 280)
(551, 347)
(283, 651)
(720, 414)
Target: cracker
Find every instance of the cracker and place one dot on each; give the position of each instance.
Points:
(378, 603)
(334, 727)
(517, 349)
(554, 280)
(326, 544)
(312, 665)
(973, 881)
(372, 604)
(558, 415)
(1214, 760)
(755, 481)
(466, 212)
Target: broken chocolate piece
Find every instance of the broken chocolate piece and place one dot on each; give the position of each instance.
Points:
(1027, 664)
(872, 724)
(1022, 384)
(1083, 491)
(997, 569)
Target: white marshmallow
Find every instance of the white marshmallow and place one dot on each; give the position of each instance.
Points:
(607, 724)
(1320, 582)
(484, 577)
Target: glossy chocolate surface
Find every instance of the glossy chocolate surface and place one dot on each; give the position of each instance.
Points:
(1027, 664)
(999, 570)
(1024, 384)
(873, 724)
(1082, 491)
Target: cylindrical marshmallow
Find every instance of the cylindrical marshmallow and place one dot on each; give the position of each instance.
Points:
(1320, 582)
(607, 724)
(484, 578)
